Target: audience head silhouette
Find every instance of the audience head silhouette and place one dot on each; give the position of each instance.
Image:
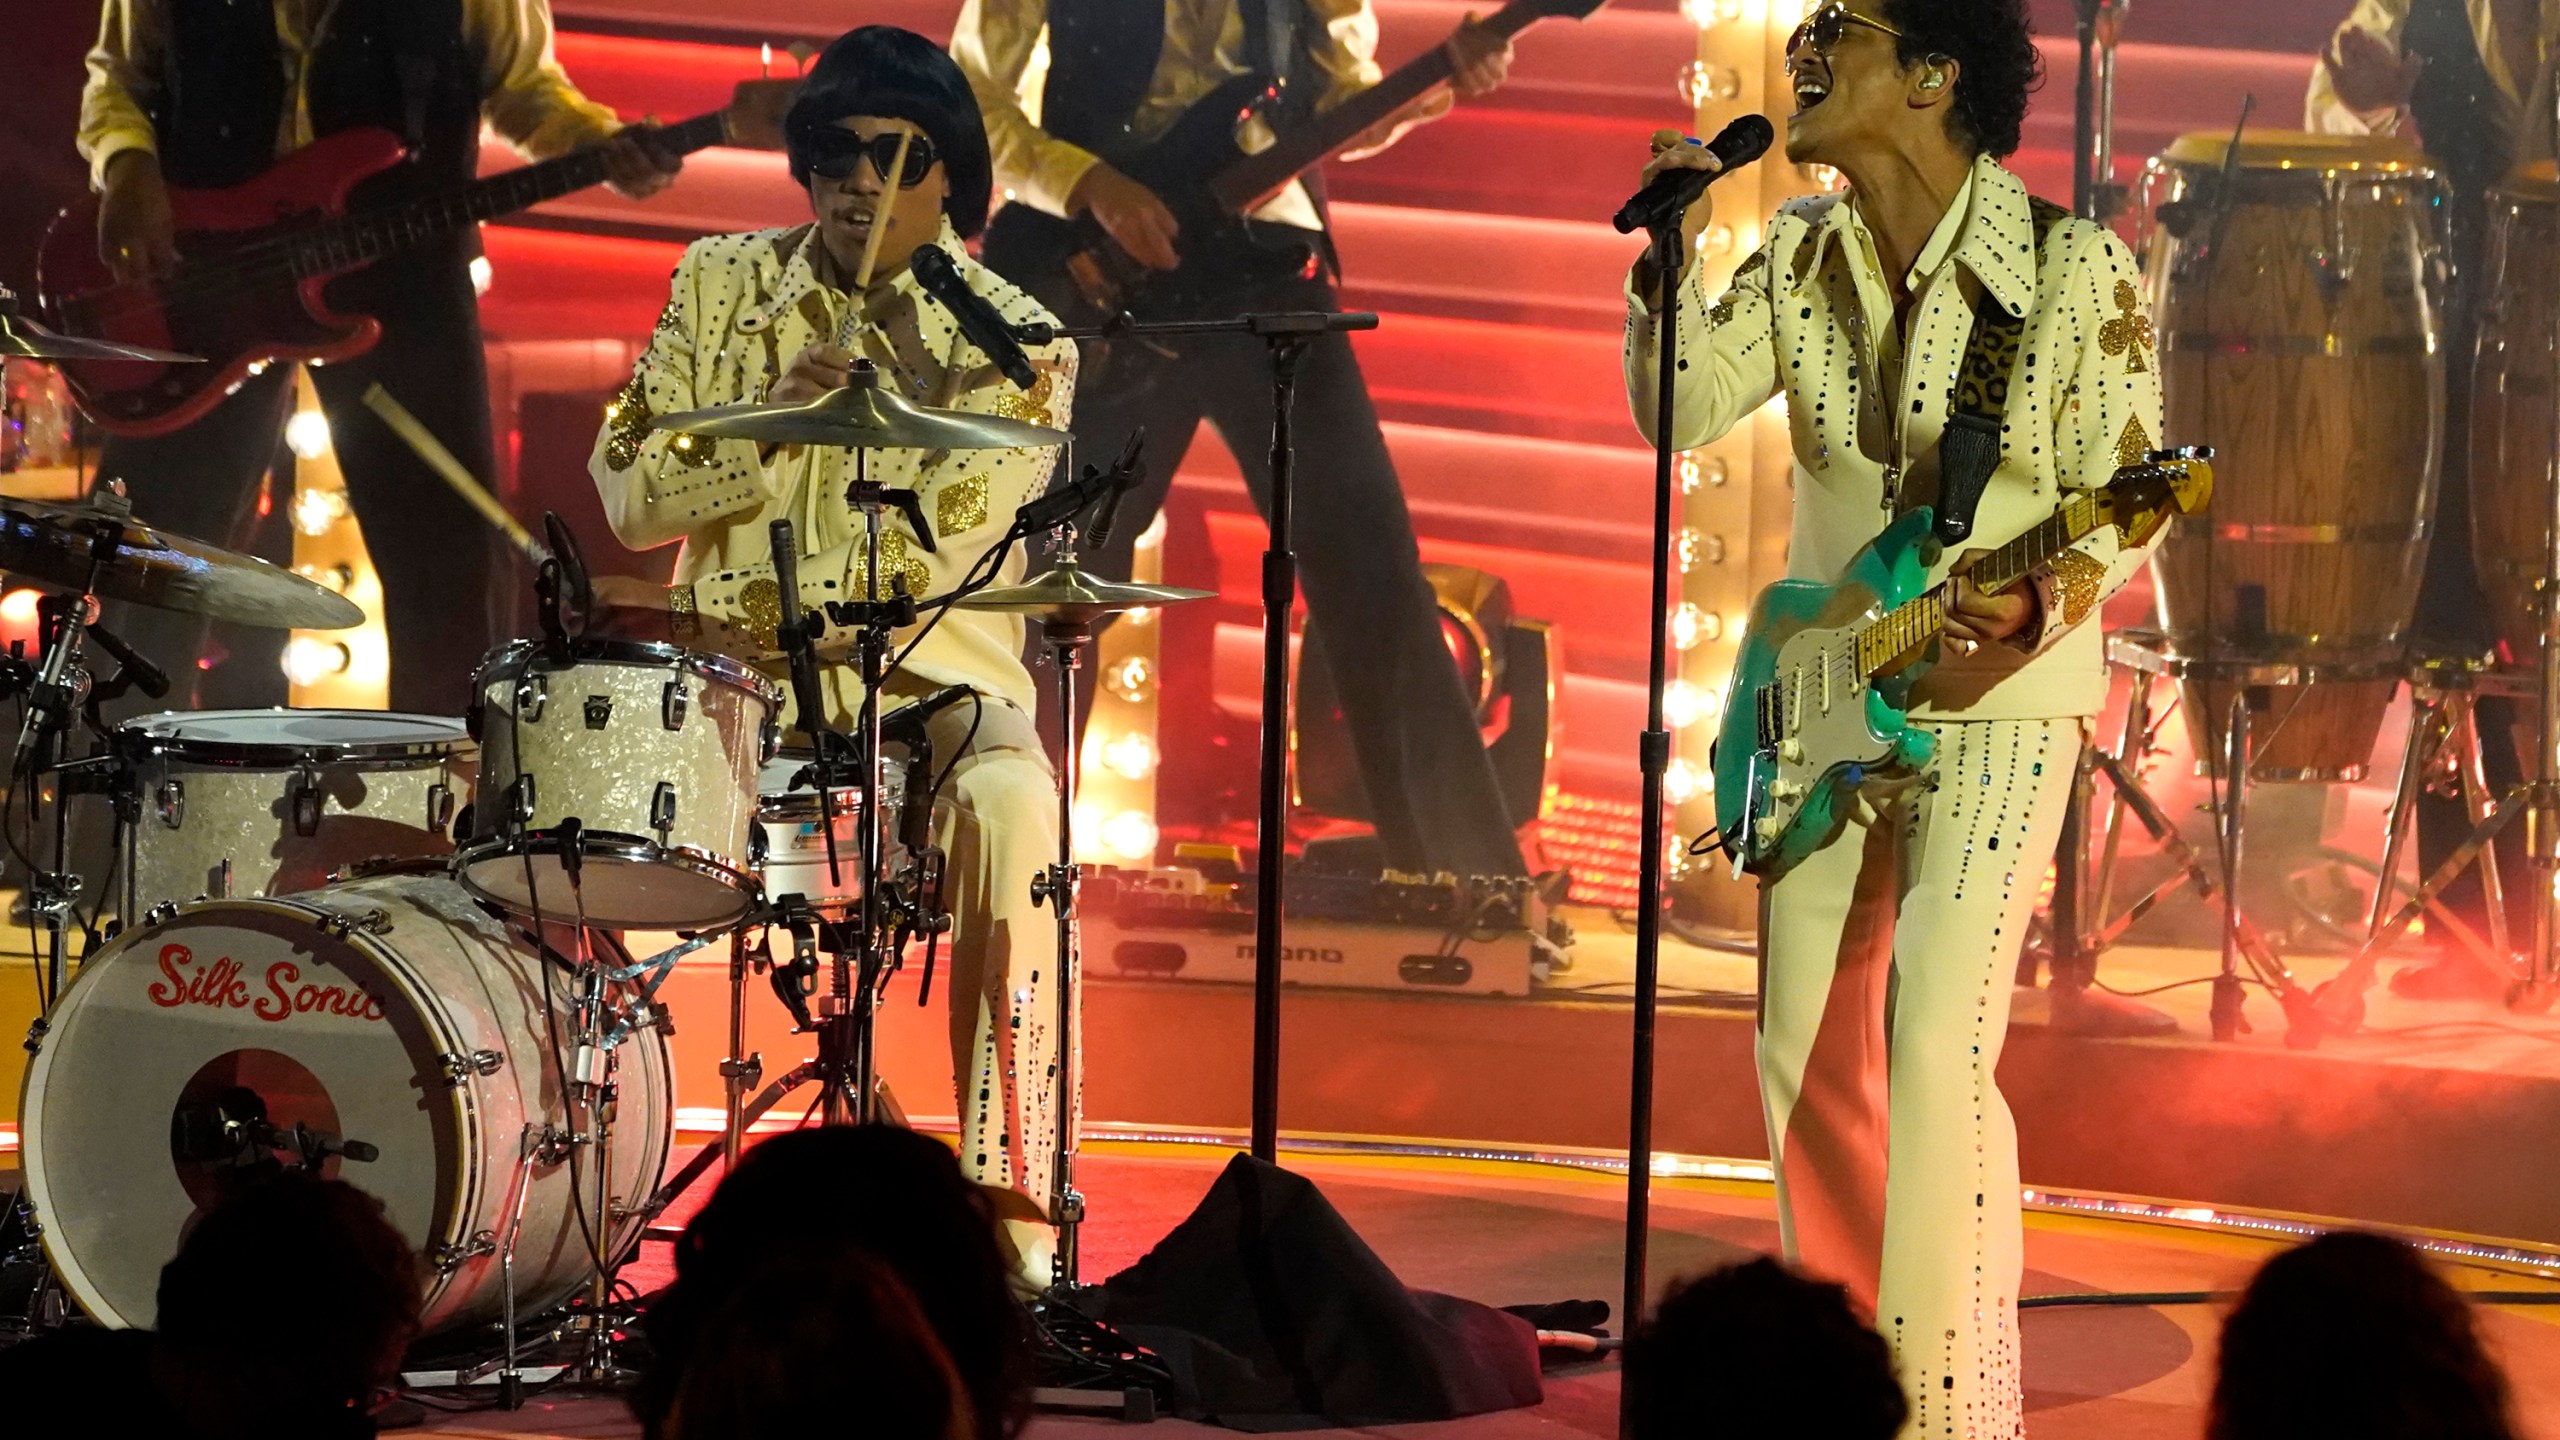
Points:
(1755, 1349)
(808, 1345)
(890, 1194)
(2354, 1336)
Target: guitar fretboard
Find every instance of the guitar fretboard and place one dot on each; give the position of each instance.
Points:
(1910, 625)
(373, 234)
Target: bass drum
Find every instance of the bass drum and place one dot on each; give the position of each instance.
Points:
(2511, 396)
(2299, 335)
(392, 1011)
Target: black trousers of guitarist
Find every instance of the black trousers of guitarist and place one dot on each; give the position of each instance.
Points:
(444, 580)
(1431, 791)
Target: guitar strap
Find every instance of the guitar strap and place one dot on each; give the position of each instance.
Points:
(1969, 446)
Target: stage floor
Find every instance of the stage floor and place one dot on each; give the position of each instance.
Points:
(1507, 1232)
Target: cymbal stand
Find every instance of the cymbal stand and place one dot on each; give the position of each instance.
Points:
(1055, 887)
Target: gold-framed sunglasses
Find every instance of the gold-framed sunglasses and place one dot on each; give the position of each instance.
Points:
(1823, 28)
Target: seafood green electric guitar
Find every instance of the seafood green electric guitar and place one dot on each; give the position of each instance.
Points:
(1820, 689)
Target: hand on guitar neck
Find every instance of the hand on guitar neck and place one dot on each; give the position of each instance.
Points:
(637, 164)
(1975, 619)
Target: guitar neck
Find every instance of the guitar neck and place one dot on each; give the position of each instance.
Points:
(1910, 625)
(372, 234)
(1255, 176)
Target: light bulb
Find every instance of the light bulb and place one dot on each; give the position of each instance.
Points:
(480, 273)
(307, 661)
(1131, 679)
(307, 434)
(1131, 835)
(316, 509)
(18, 608)
(1679, 782)
(1132, 756)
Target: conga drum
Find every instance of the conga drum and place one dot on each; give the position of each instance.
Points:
(2299, 335)
(2511, 421)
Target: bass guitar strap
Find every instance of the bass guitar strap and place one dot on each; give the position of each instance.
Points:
(1969, 446)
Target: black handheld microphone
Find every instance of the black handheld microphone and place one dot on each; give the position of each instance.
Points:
(1127, 473)
(1674, 191)
(978, 319)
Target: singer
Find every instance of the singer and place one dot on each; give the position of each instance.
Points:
(780, 315)
(1887, 955)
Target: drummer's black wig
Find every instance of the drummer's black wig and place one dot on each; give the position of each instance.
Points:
(1997, 67)
(899, 75)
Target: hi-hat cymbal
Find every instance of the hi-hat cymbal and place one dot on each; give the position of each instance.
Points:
(55, 545)
(1069, 594)
(24, 339)
(864, 415)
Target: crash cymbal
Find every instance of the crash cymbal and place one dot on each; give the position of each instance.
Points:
(24, 339)
(1067, 593)
(54, 545)
(864, 415)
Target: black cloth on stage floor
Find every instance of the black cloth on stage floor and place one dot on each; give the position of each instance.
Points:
(1274, 1315)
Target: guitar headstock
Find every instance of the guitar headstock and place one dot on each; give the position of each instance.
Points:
(2139, 499)
(755, 113)
(1520, 14)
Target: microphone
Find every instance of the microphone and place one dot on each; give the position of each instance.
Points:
(978, 319)
(1127, 473)
(1674, 191)
(150, 679)
(906, 723)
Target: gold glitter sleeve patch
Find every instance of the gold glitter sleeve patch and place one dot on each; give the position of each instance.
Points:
(1030, 407)
(2129, 333)
(626, 423)
(2076, 578)
(961, 505)
(760, 611)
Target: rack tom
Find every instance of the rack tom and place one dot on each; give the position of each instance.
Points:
(271, 802)
(2300, 335)
(653, 752)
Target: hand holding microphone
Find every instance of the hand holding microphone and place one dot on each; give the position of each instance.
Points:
(1677, 178)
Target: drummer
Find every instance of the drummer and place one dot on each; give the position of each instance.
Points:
(2464, 75)
(780, 315)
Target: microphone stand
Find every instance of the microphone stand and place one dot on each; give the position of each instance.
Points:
(1668, 250)
(1287, 333)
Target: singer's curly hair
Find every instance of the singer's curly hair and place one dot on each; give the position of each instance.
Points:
(1993, 46)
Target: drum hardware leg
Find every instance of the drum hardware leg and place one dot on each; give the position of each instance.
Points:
(2427, 732)
(2341, 1000)
(2479, 805)
(535, 1142)
(2228, 995)
(739, 1071)
(2270, 969)
(2132, 744)
(2073, 964)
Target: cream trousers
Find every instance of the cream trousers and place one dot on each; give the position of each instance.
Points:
(1887, 960)
(997, 821)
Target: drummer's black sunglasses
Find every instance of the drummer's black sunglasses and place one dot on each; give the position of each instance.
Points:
(832, 152)
(1823, 28)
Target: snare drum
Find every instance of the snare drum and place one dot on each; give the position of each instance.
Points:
(392, 1011)
(2299, 336)
(794, 841)
(269, 802)
(653, 750)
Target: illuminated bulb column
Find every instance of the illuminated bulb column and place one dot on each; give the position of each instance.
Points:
(334, 669)
(1735, 493)
(1116, 807)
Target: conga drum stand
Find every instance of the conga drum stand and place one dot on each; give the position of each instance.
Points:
(2084, 931)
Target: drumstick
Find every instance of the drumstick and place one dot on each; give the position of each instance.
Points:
(880, 215)
(441, 461)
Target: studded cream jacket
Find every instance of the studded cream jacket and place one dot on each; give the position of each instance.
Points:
(1809, 316)
(740, 308)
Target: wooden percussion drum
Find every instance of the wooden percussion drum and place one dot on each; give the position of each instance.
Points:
(2300, 335)
(2511, 421)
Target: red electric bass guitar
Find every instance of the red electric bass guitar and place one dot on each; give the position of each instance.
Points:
(254, 258)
